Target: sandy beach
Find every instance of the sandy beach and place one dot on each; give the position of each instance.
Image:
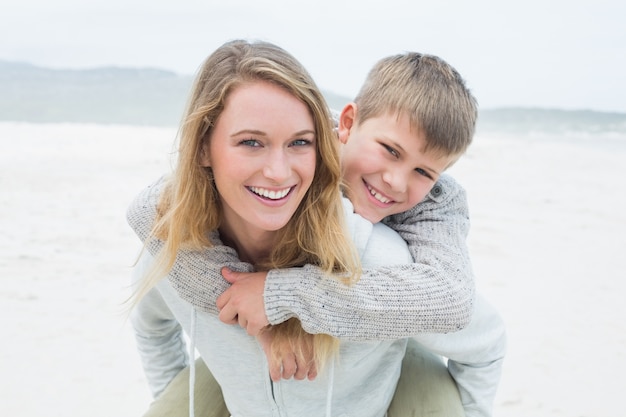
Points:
(547, 240)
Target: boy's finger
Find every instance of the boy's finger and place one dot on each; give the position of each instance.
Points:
(289, 366)
(228, 315)
(302, 369)
(229, 275)
(275, 371)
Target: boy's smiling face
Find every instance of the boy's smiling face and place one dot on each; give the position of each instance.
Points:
(385, 168)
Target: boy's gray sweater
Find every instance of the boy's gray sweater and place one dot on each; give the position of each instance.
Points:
(434, 293)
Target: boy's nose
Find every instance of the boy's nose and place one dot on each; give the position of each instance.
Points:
(395, 180)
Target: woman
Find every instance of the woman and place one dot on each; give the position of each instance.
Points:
(258, 168)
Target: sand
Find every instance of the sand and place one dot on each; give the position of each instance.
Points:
(548, 238)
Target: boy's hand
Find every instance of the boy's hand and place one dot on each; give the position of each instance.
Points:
(283, 360)
(243, 302)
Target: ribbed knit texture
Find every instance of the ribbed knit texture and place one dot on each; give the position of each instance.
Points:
(435, 294)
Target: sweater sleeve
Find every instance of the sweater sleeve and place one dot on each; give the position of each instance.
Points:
(196, 274)
(434, 294)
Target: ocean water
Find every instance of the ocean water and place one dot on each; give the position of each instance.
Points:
(524, 120)
(583, 127)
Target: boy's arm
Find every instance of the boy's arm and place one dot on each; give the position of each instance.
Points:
(196, 273)
(434, 294)
(475, 356)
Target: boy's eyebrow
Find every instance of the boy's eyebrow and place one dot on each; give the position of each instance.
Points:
(426, 168)
(432, 171)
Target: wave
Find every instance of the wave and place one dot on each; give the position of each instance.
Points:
(529, 121)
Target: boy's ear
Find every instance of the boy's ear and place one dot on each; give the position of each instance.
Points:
(346, 122)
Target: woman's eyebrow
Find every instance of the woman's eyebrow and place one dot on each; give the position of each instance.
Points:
(250, 132)
(262, 133)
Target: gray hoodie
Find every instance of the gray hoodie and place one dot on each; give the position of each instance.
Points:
(361, 382)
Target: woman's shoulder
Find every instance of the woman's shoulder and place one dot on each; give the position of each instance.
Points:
(377, 243)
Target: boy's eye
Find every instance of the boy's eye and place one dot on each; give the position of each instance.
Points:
(423, 173)
(391, 150)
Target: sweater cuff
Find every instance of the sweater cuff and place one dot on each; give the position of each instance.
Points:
(282, 289)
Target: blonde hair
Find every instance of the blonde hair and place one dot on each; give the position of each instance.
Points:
(430, 92)
(189, 206)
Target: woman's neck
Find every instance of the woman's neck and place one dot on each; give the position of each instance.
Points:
(251, 247)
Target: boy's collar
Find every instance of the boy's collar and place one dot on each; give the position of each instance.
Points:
(439, 191)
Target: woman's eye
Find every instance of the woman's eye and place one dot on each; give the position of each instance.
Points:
(391, 150)
(250, 142)
(301, 142)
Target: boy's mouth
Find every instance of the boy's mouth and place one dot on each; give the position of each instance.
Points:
(270, 194)
(377, 195)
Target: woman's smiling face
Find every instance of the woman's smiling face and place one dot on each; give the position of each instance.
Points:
(262, 152)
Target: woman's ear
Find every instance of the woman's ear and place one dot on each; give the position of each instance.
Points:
(346, 122)
(205, 156)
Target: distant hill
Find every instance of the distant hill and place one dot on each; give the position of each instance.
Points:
(103, 95)
(154, 97)
(137, 96)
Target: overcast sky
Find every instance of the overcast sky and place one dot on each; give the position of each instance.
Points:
(544, 53)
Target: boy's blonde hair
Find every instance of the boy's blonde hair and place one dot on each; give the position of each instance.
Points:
(190, 205)
(427, 90)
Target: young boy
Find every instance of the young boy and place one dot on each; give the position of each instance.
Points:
(412, 119)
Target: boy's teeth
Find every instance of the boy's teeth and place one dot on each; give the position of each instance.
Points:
(272, 195)
(378, 196)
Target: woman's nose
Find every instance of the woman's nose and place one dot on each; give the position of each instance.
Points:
(277, 166)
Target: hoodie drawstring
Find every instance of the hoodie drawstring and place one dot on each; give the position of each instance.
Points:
(192, 371)
(329, 393)
(192, 364)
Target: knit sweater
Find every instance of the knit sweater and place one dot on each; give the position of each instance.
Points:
(434, 294)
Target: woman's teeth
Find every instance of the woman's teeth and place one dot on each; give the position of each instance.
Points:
(272, 195)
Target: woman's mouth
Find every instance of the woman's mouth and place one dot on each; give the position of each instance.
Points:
(271, 194)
